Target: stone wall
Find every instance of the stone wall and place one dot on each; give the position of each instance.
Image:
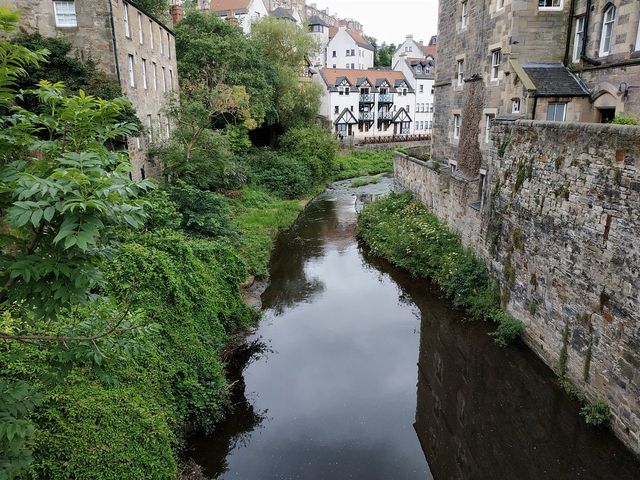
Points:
(556, 216)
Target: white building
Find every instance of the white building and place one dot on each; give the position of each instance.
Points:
(420, 74)
(347, 48)
(366, 103)
(411, 48)
(245, 11)
(320, 32)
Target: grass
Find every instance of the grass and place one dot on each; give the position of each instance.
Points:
(362, 163)
(361, 182)
(259, 216)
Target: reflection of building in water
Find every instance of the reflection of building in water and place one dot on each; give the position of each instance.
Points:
(489, 413)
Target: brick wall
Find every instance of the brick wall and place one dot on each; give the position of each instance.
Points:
(559, 207)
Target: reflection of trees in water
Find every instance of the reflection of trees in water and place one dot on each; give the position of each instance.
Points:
(211, 451)
(488, 412)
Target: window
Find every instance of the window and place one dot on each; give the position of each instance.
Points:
(334, 54)
(159, 125)
(515, 105)
(550, 4)
(155, 76)
(144, 74)
(353, 52)
(348, 52)
(336, 109)
(607, 30)
(556, 112)
(171, 80)
(460, 73)
(127, 27)
(496, 59)
(456, 126)
(500, 4)
(487, 127)
(132, 76)
(465, 14)
(161, 43)
(421, 88)
(317, 28)
(638, 38)
(408, 108)
(138, 144)
(151, 33)
(164, 79)
(65, 13)
(149, 129)
(168, 125)
(140, 32)
(578, 38)
(168, 45)
(347, 90)
(334, 65)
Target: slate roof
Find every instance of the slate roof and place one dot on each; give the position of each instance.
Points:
(422, 62)
(316, 20)
(283, 14)
(554, 80)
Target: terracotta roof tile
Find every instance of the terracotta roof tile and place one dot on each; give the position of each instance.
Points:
(226, 5)
(330, 75)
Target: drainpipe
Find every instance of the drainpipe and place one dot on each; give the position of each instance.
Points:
(115, 45)
(572, 11)
(535, 104)
(585, 38)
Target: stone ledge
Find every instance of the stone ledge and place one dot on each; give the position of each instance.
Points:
(629, 131)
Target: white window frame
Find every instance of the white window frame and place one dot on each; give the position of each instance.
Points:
(456, 126)
(140, 31)
(637, 45)
(131, 68)
(552, 7)
(149, 128)
(164, 80)
(460, 73)
(607, 24)
(496, 60)
(578, 39)
(464, 17)
(144, 74)
(159, 126)
(127, 26)
(170, 80)
(516, 105)
(499, 5)
(65, 19)
(169, 45)
(555, 105)
(161, 41)
(487, 126)
(151, 34)
(155, 76)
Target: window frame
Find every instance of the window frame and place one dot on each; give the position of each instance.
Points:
(456, 126)
(56, 4)
(555, 111)
(514, 102)
(551, 8)
(487, 126)
(495, 67)
(127, 25)
(460, 72)
(607, 24)
(155, 76)
(140, 31)
(131, 69)
(464, 14)
(578, 38)
(151, 43)
(637, 45)
(499, 5)
(145, 84)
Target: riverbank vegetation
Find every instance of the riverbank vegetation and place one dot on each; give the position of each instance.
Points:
(401, 230)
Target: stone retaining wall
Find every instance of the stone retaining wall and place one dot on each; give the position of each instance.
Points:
(556, 216)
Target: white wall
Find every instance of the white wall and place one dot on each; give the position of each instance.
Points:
(257, 10)
(410, 47)
(342, 42)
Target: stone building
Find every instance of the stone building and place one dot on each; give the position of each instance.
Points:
(129, 45)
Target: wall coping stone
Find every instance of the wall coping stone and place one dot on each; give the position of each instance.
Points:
(629, 131)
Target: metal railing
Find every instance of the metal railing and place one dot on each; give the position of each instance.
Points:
(385, 115)
(366, 116)
(367, 98)
(394, 138)
(385, 98)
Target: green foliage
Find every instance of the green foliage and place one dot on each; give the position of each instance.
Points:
(161, 212)
(203, 213)
(383, 54)
(596, 413)
(281, 174)
(238, 138)
(625, 120)
(158, 8)
(509, 329)
(314, 147)
(361, 182)
(404, 232)
(361, 163)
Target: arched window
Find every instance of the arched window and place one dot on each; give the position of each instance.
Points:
(607, 30)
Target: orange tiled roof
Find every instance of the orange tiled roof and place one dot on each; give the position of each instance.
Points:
(331, 74)
(226, 5)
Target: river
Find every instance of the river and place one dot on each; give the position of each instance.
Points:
(358, 371)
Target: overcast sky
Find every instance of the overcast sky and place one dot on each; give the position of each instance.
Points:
(389, 20)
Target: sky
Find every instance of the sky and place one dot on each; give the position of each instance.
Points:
(389, 20)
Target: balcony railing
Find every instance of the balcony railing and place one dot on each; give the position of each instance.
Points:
(367, 98)
(366, 116)
(385, 98)
(385, 115)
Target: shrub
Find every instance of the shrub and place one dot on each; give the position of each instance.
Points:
(360, 163)
(624, 120)
(509, 328)
(314, 147)
(203, 213)
(596, 413)
(280, 174)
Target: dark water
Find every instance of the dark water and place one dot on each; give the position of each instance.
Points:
(327, 385)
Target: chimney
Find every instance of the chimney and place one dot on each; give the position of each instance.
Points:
(177, 13)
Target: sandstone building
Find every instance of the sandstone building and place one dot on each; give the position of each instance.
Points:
(128, 45)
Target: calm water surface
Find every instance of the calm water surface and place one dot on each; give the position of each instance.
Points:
(358, 371)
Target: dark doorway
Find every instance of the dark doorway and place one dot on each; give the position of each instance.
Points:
(607, 114)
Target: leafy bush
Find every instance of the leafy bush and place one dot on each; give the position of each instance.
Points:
(596, 413)
(313, 147)
(404, 232)
(203, 213)
(360, 163)
(509, 328)
(624, 120)
(281, 174)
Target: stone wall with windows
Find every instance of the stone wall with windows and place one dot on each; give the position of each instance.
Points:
(556, 216)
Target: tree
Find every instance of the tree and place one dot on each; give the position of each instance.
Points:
(382, 54)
